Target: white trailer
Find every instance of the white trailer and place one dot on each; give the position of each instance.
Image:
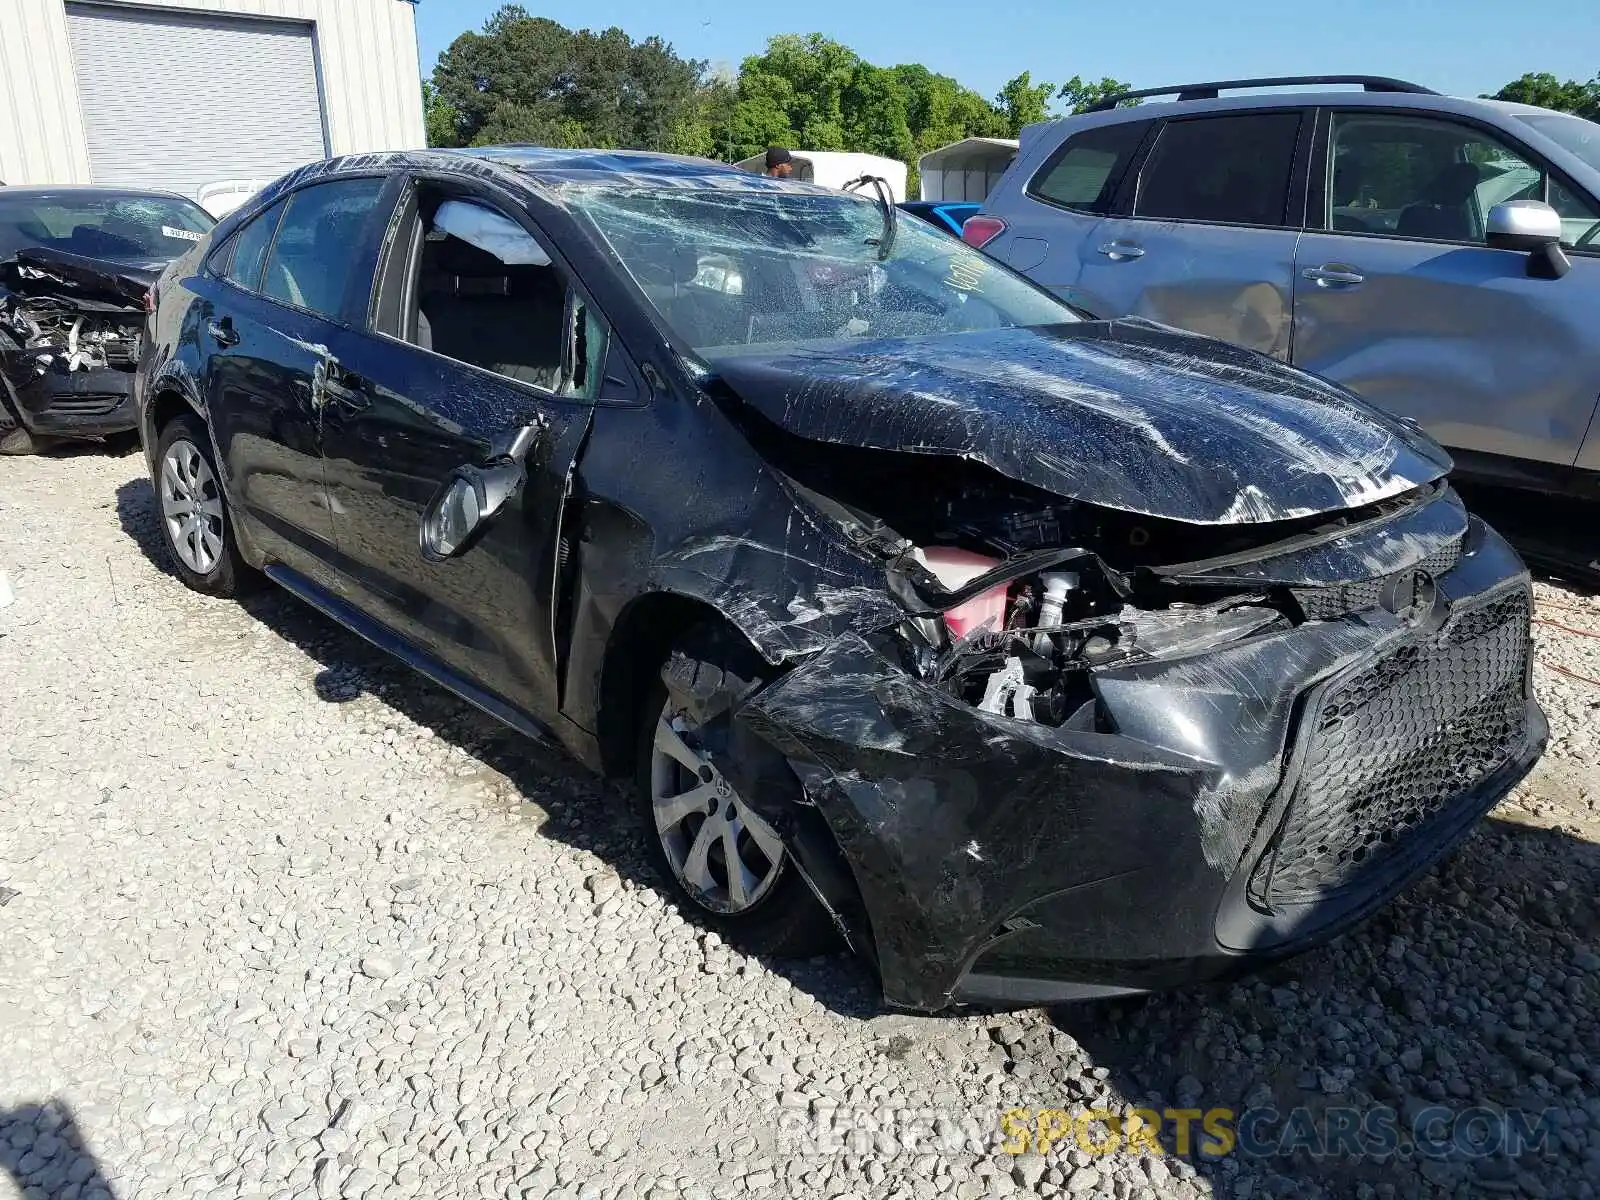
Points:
(965, 170)
(835, 168)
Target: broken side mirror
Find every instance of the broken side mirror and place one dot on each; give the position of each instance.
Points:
(1534, 228)
(470, 499)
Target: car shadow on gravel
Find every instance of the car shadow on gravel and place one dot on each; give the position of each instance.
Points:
(578, 808)
(47, 1154)
(1474, 994)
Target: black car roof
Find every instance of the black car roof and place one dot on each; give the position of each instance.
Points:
(553, 169)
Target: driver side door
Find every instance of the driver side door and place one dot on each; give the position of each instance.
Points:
(1397, 296)
(471, 338)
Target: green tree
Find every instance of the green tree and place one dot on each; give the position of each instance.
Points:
(1022, 102)
(1546, 91)
(1082, 95)
(526, 78)
(438, 118)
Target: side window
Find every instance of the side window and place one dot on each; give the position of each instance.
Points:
(484, 292)
(1419, 177)
(1231, 170)
(248, 249)
(312, 259)
(1083, 174)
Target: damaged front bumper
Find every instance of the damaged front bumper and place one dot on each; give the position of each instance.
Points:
(1244, 803)
(90, 403)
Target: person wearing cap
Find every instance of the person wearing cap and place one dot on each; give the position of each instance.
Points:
(780, 163)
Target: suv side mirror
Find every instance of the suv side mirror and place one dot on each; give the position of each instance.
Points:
(1532, 227)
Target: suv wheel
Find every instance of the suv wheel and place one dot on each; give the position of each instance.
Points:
(727, 865)
(193, 513)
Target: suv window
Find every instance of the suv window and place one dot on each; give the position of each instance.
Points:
(248, 249)
(1083, 174)
(1231, 170)
(1422, 177)
(311, 259)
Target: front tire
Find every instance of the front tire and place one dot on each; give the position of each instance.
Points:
(726, 865)
(192, 512)
(15, 440)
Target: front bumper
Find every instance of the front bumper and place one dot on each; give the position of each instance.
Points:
(1254, 801)
(77, 403)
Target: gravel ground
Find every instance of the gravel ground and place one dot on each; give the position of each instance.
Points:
(279, 919)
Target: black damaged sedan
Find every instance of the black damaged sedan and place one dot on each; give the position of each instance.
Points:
(1036, 658)
(75, 266)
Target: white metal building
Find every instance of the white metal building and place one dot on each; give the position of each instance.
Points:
(965, 170)
(175, 94)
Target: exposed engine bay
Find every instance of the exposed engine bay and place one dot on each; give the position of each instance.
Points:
(71, 332)
(1020, 594)
(54, 334)
(66, 314)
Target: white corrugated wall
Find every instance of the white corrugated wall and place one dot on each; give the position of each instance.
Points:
(366, 51)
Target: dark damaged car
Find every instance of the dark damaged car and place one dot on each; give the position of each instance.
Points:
(1036, 657)
(75, 266)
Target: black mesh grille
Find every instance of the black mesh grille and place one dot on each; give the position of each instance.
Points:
(1330, 603)
(1395, 746)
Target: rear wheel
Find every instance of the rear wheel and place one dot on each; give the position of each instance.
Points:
(726, 863)
(196, 527)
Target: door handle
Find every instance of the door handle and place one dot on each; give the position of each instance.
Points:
(222, 332)
(338, 386)
(1334, 275)
(1122, 251)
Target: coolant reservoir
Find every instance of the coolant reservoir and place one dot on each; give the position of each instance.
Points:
(955, 568)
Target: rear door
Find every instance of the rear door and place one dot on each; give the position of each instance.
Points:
(1052, 217)
(1208, 242)
(469, 339)
(1398, 297)
(265, 325)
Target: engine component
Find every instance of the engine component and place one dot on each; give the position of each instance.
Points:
(955, 568)
(1008, 692)
(1057, 584)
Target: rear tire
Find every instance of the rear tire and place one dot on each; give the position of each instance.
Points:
(196, 526)
(696, 825)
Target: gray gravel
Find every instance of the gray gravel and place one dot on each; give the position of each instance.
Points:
(278, 919)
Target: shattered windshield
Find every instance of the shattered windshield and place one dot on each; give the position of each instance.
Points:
(131, 228)
(736, 269)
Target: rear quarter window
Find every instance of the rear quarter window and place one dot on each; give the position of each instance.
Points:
(1084, 172)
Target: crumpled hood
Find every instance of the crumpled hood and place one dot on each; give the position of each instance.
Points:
(114, 282)
(1125, 414)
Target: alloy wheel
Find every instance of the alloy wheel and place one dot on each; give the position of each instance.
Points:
(726, 857)
(191, 507)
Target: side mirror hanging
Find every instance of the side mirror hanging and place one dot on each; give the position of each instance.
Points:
(463, 508)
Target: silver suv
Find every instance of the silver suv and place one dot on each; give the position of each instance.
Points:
(1440, 256)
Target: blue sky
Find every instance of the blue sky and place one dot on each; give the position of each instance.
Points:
(1459, 46)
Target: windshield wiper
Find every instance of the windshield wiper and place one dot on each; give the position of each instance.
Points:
(891, 214)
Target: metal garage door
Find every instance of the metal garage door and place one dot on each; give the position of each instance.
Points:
(174, 100)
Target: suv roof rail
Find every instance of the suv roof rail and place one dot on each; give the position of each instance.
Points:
(1208, 91)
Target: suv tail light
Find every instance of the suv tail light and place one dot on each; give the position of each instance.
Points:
(978, 231)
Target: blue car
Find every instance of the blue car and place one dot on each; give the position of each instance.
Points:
(946, 217)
